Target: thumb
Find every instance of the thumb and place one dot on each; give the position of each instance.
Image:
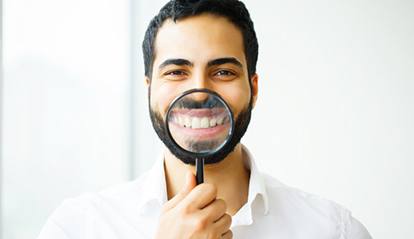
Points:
(190, 183)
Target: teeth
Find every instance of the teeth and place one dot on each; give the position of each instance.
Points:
(180, 120)
(195, 123)
(204, 123)
(187, 122)
(213, 122)
(220, 120)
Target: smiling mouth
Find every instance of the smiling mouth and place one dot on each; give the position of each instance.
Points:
(199, 118)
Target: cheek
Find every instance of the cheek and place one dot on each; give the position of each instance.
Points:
(163, 94)
(237, 96)
(161, 97)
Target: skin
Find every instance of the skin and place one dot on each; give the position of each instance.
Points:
(202, 211)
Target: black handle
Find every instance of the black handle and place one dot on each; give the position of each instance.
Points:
(199, 171)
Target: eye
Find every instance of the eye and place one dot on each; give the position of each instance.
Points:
(175, 73)
(224, 73)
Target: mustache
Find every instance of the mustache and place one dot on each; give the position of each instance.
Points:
(209, 103)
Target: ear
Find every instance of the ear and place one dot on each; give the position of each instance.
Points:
(147, 81)
(255, 88)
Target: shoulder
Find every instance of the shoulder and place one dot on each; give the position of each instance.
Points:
(122, 193)
(293, 201)
(282, 193)
(73, 215)
(68, 218)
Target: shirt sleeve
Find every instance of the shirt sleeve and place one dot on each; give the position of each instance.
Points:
(66, 222)
(356, 230)
(51, 230)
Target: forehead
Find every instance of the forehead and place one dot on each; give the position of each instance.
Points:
(199, 39)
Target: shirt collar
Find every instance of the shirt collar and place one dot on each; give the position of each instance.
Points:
(155, 189)
(257, 192)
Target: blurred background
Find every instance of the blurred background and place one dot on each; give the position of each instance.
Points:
(334, 116)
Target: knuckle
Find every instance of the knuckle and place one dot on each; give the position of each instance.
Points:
(200, 224)
(214, 235)
(210, 189)
(227, 219)
(186, 210)
(222, 204)
(229, 234)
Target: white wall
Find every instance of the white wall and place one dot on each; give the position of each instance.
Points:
(66, 105)
(333, 116)
(1, 112)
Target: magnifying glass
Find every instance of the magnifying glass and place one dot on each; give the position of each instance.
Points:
(200, 124)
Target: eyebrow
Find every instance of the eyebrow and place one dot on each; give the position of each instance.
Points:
(215, 62)
(225, 60)
(177, 61)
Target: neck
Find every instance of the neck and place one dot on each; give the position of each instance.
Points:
(230, 176)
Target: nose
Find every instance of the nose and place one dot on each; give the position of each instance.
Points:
(200, 96)
(201, 80)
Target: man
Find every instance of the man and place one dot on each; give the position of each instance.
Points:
(208, 44)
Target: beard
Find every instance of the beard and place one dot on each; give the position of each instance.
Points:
(240, 127)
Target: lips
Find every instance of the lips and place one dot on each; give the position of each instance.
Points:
(199, 124)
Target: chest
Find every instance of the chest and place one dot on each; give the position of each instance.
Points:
(263, 227)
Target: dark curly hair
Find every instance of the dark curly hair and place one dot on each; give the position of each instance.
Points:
(235, 11)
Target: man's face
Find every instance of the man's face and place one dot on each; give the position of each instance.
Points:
(204, 51)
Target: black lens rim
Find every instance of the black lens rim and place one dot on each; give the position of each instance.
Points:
(205, 154)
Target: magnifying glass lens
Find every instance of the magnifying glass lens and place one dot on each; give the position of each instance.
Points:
(199, 122)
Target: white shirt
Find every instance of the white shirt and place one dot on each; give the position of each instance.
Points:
(273, 210)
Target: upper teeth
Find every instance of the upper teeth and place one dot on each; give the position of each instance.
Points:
(197, 122)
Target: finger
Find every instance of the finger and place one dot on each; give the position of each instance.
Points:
(202, 195)
(190, 183)
(215, 210)
(223, 224)
(227, 235)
